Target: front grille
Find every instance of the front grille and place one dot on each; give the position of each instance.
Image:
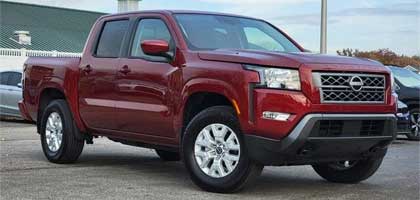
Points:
(348, 128)
(350, 88)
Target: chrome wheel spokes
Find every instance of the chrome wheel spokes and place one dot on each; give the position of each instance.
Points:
(415, 123)
(217, 150)
(54, 132)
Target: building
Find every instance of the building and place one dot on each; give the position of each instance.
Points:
(35, 30)
(128, 5)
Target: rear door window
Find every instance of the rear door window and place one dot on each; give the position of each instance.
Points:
(4, 77)
(10, 78)
(15, 78)
(111, 38)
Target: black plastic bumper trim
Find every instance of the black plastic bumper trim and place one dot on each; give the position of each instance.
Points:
(299, 148)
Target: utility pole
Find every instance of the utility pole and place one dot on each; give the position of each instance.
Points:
(324, 27)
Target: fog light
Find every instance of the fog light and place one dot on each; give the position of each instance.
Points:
(276, 116)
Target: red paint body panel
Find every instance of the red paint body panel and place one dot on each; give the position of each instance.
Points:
(45, 73)
(146, 100)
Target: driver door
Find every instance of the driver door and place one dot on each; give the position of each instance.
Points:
(143, 84)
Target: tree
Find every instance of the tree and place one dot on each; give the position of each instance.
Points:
(385, 56)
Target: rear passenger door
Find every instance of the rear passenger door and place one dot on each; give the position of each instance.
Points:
(145, 96)
(97, 94)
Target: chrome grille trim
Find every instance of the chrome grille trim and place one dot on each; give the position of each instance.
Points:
(335, 88)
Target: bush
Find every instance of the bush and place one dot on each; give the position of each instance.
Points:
(385, 56)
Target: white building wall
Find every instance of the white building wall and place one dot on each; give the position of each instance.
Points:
(12, 62)
(128, 5)
(15, 58)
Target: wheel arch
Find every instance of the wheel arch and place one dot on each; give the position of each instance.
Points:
(61, 88)
(47, 94)
(200, 94)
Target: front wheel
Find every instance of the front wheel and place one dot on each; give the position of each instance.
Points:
(58, 134)
(348, 171)
(414, 133)
(214, 151)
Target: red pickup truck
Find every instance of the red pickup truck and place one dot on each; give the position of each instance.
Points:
(226, 94)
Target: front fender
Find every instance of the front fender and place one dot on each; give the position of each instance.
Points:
(208, 85)
(229, 91)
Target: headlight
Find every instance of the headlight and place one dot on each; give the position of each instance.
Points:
(277, 78)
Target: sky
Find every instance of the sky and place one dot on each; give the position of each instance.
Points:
(357, 24)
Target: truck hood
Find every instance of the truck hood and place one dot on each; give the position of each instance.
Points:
(281, 59)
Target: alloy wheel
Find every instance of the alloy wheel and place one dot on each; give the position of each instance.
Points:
(415, 124)
(217, 150)
(54, 132)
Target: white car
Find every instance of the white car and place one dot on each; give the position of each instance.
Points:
(10, 93)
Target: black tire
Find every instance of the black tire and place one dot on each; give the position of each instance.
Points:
(414, 133)
(168, 155)
(245, 170)
(71, 147)
(359, 171)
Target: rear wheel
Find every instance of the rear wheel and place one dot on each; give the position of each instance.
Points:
(58, 139)
(348, 171)
(214, 151)
(168, 155)
(414, 125)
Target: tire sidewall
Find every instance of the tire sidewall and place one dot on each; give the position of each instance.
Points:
(362, 170)
(54, 106)
(220, 115)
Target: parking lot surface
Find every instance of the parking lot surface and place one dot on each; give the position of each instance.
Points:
(109, 170)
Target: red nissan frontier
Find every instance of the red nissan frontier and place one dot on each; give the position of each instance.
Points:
(225, 94)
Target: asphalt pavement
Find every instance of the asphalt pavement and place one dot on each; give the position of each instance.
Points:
(109, 170)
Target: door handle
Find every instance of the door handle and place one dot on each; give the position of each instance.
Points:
(125, 70)
(87, 69)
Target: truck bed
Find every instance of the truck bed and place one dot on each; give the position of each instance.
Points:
(41, 73)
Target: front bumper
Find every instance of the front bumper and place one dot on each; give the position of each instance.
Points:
(305, 144)
(403, 123)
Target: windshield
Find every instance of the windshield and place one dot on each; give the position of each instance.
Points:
(211, 32)
(406, 77)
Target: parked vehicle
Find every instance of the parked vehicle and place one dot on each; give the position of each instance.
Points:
(227, 94)
(10, 93)
(408, 90)
(403, 119)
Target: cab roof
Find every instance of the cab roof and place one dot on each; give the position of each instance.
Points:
(171, 12)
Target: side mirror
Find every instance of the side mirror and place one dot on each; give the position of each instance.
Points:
(19, 85)
(156, 48)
